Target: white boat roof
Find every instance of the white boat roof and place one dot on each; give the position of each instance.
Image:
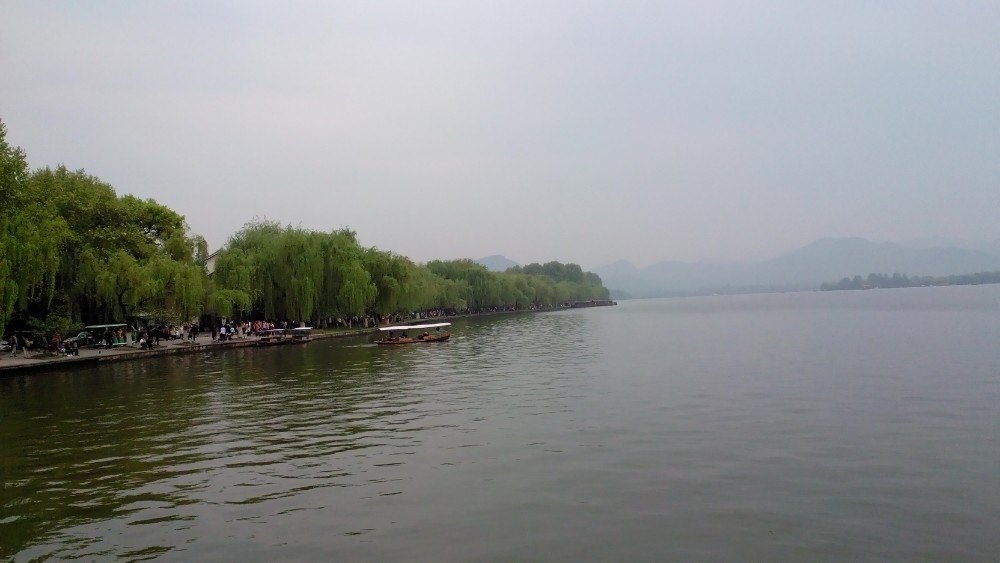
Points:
(303, 328)
(413, 327)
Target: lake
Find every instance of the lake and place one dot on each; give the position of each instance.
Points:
(803, 426)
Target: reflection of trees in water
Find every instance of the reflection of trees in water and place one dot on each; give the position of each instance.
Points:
(316, 401)
(136, 442)
(83, 446)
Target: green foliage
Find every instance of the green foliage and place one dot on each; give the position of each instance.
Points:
(29, 238)
(74, 252)
(291, 273)
(356, 291)
(54, 324)
(295, 274)
(390, 274)
(555, 271)
(533, 285)
(13, 171)
(555, 282)
(121, 285)
(227, 302)
(897, 280)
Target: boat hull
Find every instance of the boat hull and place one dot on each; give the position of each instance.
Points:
(274, 342)
(593, 303)
(424, 340)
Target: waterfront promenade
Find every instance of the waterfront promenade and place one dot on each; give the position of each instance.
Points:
(36, 361)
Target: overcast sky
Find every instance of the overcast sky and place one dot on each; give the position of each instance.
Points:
(575, 131)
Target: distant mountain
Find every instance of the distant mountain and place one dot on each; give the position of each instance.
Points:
(622, 271)
(833, 258)
(625, 275)
(824, 260)
(497, 263)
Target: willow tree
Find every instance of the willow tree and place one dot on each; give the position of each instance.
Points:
(72, 248)
(177, 286)
(122, 254)
(122, 285)
(298, 263)
(390, 273)
(453, 294)
(514, 290)
(228, 302)
(231, 289)
(13, 172)
(29, 237)
(296, 274)
(568, 282)
(356, 293)
(347, 289)
(544, 290)
(247, 264)
(170, 289)
(293, 273)
(484, 288)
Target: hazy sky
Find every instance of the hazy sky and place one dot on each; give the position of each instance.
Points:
(573, 131)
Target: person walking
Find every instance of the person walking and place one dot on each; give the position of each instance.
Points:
(13, 344)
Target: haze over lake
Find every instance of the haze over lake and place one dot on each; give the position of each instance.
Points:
(583, 132)
(806, 426)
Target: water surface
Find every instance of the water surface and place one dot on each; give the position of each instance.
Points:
(834, 425)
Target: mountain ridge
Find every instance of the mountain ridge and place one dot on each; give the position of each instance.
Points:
(824, 260)
(497, 263)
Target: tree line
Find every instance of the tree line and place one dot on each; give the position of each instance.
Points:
(74, 252)
(292, 273)
(902, 280)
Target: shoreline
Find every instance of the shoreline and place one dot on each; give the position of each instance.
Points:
(18, 365)
(21, 365)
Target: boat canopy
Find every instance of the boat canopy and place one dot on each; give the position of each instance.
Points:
(414, 327)
(303, 328)
(95, 327)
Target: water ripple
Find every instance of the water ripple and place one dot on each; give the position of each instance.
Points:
(582, 434)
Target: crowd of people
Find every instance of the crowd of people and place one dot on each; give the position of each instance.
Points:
(243, 329)
(150, 336)
(145, 338)
(220, 332)
(19, 342)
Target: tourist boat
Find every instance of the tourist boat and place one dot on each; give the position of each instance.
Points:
(593, 303)
(300, 335)
(272, 337)
(275, 336)
(389, 339)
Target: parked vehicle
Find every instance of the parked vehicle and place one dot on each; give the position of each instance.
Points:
(82, 339)
(96, 332)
